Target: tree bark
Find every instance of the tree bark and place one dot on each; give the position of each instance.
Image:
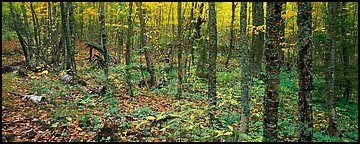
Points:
(103, 43)
(231, 48)
(282, 34)
(245, 110)
(28, 36)
(15, 26)
(272, 51)
(304, 20)
(345, 53)
(179, 45)
(63, 34)
(148, 57)
(212, 58)
(200, 70)
(128, 49)
(68, 41)
(37, 40)
(73, 38)
(258, 37)
(333, 10)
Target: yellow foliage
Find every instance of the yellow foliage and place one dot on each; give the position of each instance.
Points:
(150, 118)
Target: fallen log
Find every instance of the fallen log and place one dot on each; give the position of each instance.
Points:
(26, 97)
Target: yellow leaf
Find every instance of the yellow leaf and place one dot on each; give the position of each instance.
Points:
(45, 72)
(177, 103)
(235, 124)
(218, 131)
(69, 118)
(230, 127)
(141, 123)
(150, 118)
(192, 116)
(191, 127)
(164, 129)
(33, 77)
(228, 133)
(201, 126)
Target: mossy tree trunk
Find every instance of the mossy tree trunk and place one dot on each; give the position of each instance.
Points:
(272, 51)
(304, 20)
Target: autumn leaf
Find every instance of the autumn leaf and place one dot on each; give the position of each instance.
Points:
(228, 133)
(230, 127)
(150, 118)
(69, 119)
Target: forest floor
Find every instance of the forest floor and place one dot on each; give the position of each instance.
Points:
(77, 113)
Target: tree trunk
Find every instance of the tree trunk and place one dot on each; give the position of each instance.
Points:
(72, 40)
(258, 37)
(103, 42)
(191, 61)
(63, 34)
(212, 58)
(304, 20)
(282, 34)
(172, 47)
(200, 70)
(333, 10)
(81, 35)
(148, 57)
(28, 36)
(245, 110)
(37, 40)
(345, 53)
(179, 45)
(55, 48)
(231, 48)
(120, 43)
(16, 25)
(128, 48)
(68, 41)
(271, 102)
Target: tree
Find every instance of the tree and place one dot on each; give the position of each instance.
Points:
(128, 49)
(202, 60)
(103, 43)
(149, 61)
(272, 51)
(212, 56)
(345, 52)
(16, 27)
(304, 20)
(63, 32)
(67, 37)
(72, 40)
(27, 35)
(36, 35)
(329, 61)
(258, 36)
(245, 111)
(231, 48)
(179, 44)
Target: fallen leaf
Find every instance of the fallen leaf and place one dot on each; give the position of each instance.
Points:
(69, 119)
(228, 133)
(230, 127)
(150, 118)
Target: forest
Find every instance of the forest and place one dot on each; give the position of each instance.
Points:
(179, 72)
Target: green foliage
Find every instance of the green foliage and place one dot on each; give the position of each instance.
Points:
(8, 35)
